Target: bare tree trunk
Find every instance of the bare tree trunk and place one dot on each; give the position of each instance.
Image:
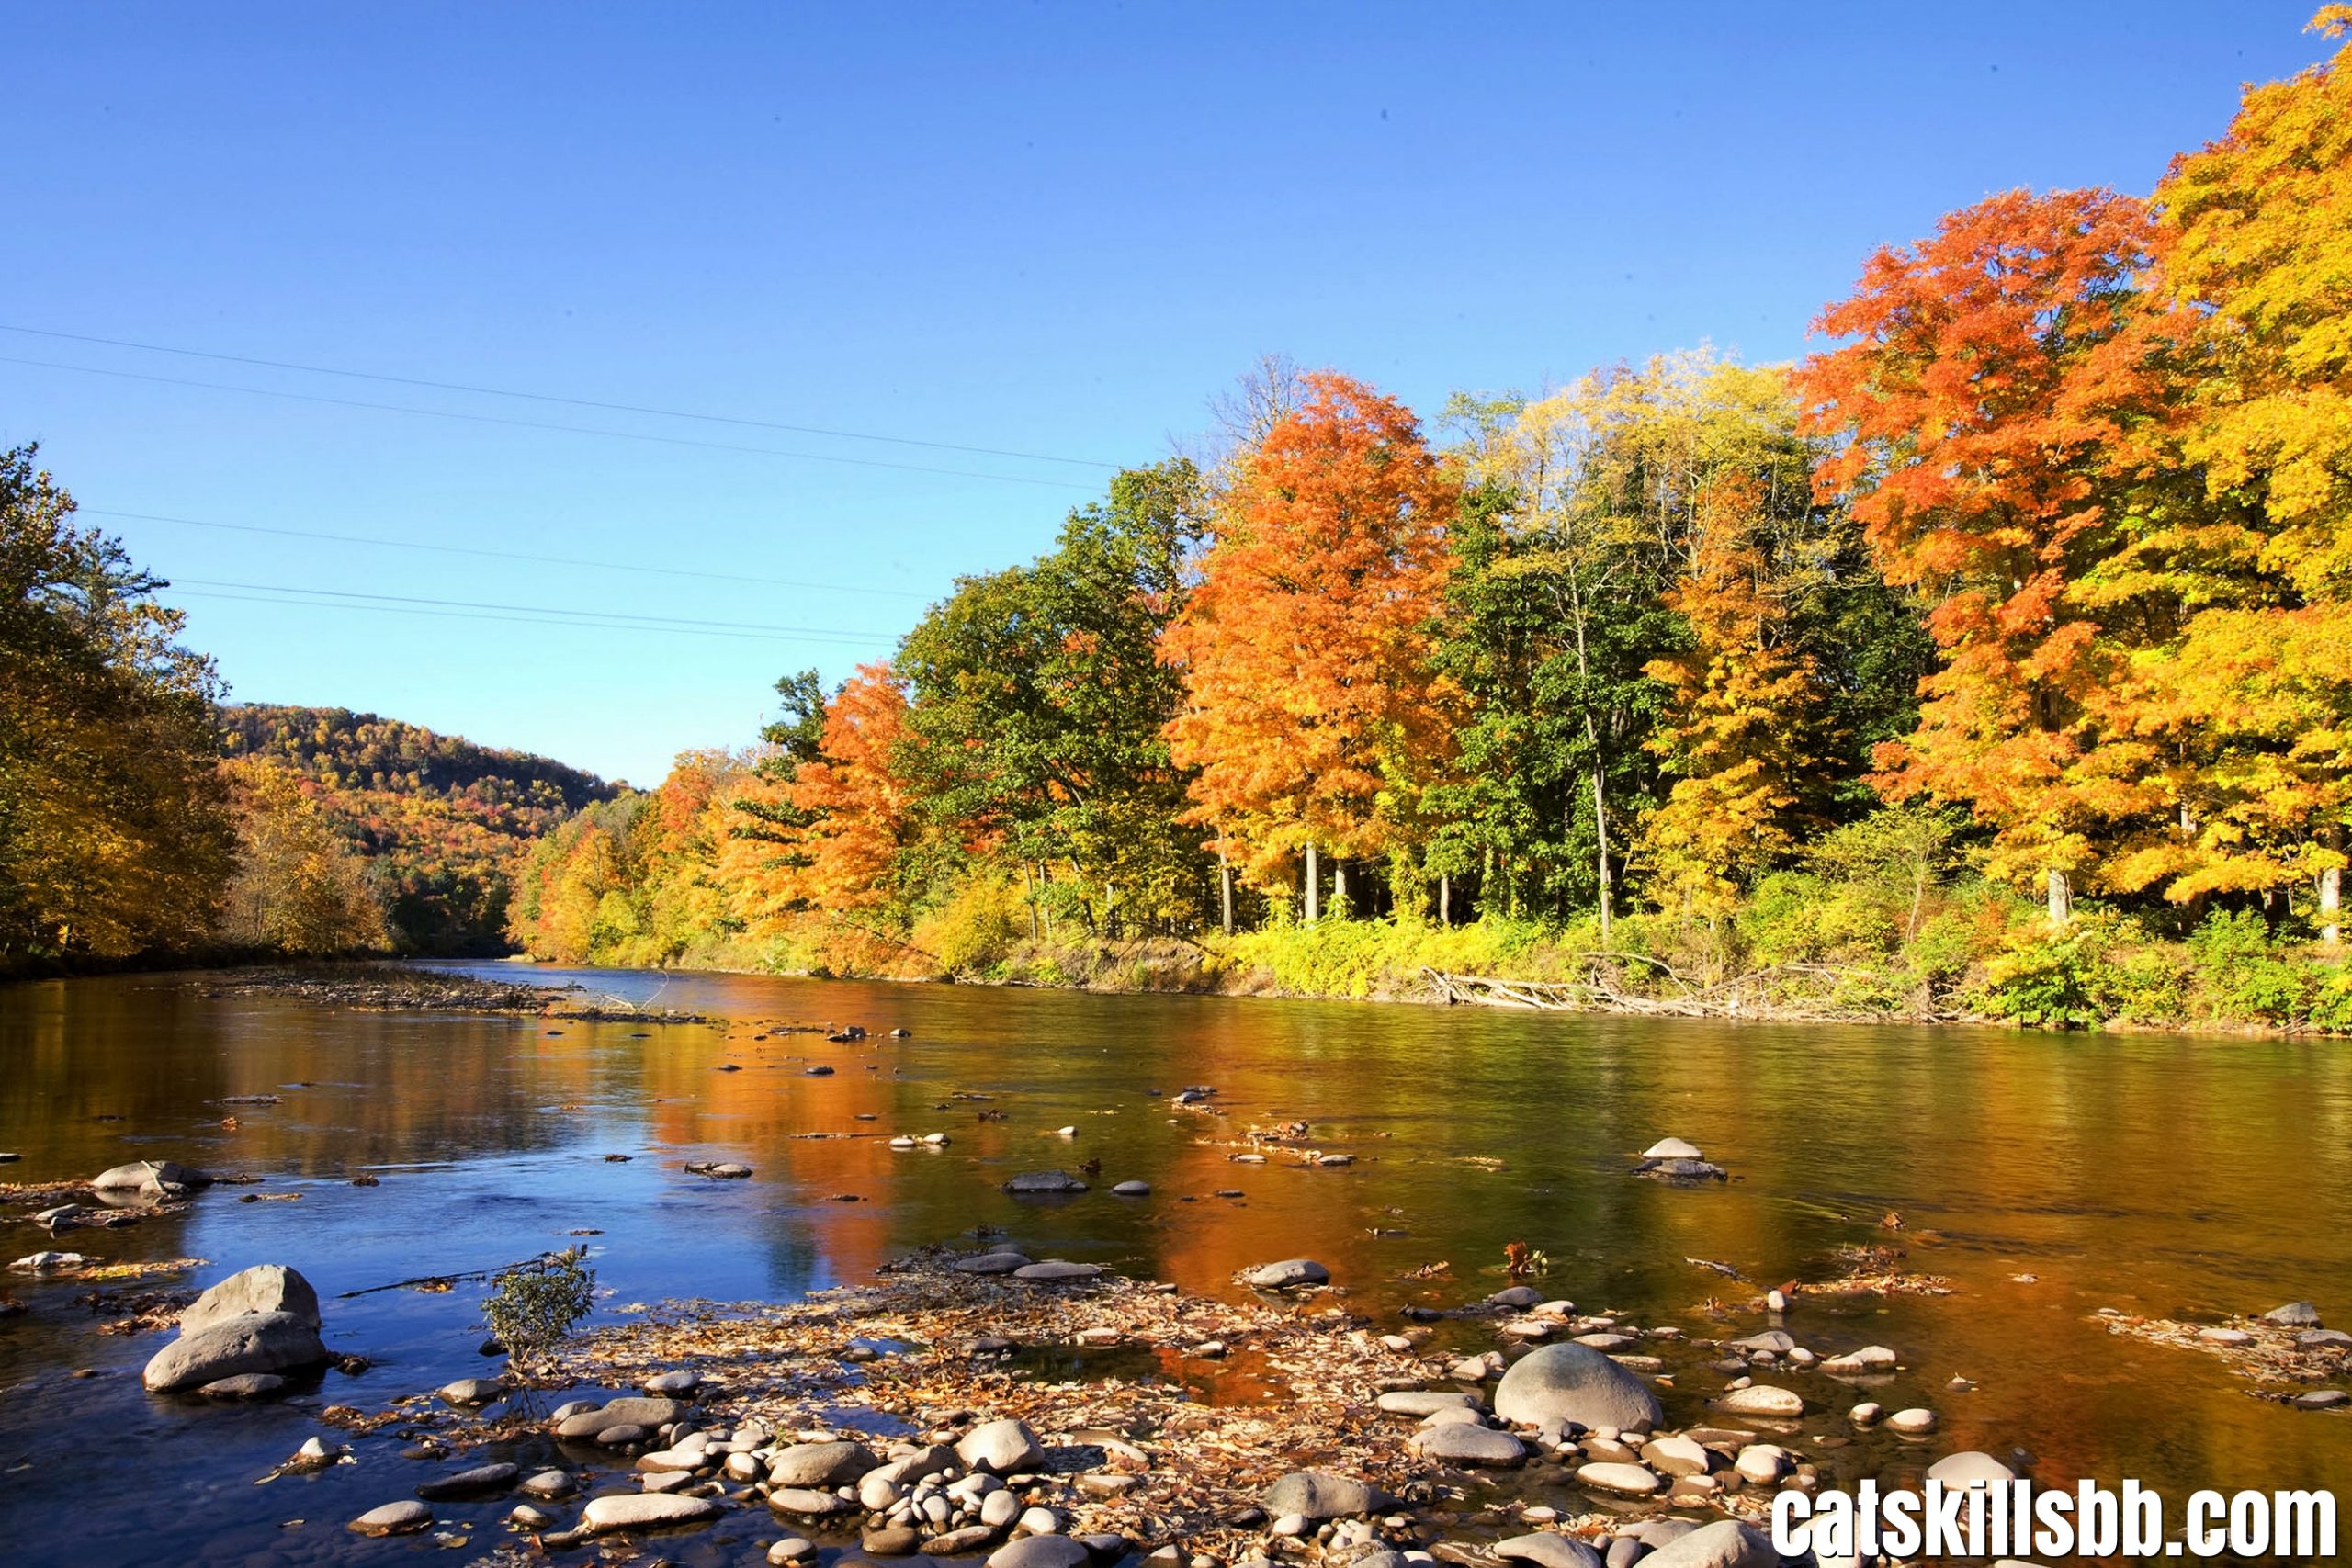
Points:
(1601, 839)
(1444, 899)
(1225, 887)
(1314, 885)
(2061, 900)
(2331, 906)
(1339, 887)
(1029, 896)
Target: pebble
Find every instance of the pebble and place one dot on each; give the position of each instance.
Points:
(1912, 1422)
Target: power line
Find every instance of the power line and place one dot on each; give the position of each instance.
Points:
(478, 616)
(535, 560)
(550, 398)
(544, 424)
(617, 617)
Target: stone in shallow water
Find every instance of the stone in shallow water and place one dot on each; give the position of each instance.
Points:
(1574, 1382)
(1041, 1181)
(990, 1263)
(244, 1385)
(1473, 1447)
(471, 1390)
(550, 1483)
(1627, 1480)
(645, 1510)
(1870, 1360)
(266, 1287)
(1426, 1401)
(1728, 1543)
(1040, 1552)
(1288, 1275)
(393, 1518)
(469, 1483)
(1124, 1190)
(1969, 1464)
(1547, 1550)
(1673, 1148)
(631, 1412)
(679, 1382)
(1913, 1421)
(1000, 1445)
(254, 1342)
(1762, 1399)
(1054, 1271)
(820, 1464)
(1318, 1495)
(2294, 1314)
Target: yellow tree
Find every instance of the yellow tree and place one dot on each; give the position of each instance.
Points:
(298, 887)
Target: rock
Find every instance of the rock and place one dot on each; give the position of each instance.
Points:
(2225, 1336)
(1425, 1401)
(266, 1287)
(1547, 1550)
(152, 1178)
(1865, 1413)
(256, 1342)
(1867, 1362)
(1762, 1399)
(469, 1483)
(2294, 1314)
(1000, 1445)
(471, 1390)
(1763, 1463)
(989, 1263)
(1683, 1170)
(1290, 1275)
(645, 1510)
(1771, 1339)
(392, 1519)
(1470, 1446)
(647, 1414)
(820, 1464)
(1676, 1455)
(791, 1549)
(528, 1517)
(1516, 1298)
(2321, 1399)
(1037, 1181)
(244, 1385)
(1574, 1382)
(1673, 1148)
(1040, 1521)
(1627, 1480)
(622, 1436)
(1124, 1189)
(1040, 1552)
(1912, 1422)
(2323, 1338)
(1054, 1271)
(1970, 1464)
(38, 1260)
(1776, 1300)
(1606, 1342)
(1315, 1495)
(678, 1383)
(891, 1540)
(806, 1502)
(549, 1484)
(1728, 1543)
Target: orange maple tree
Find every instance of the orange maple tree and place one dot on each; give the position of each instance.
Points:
(852, 809)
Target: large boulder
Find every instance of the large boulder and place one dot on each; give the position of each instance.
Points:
(1000, 1445)
(151, 1179)
(1318, 1495)
(265, 1286)
(255, 1342)
(1574, 1382)
(1728, 1543)
(825, 1465)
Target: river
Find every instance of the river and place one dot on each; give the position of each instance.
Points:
(2046, 1175)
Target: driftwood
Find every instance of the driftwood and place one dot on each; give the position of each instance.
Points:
(445, 1281)
(1776, 991)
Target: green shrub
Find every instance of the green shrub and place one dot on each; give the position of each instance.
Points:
(2241, 977)
(533, 1306)
(2056, 979)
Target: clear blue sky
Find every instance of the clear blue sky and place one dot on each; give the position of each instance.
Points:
(1051, 228)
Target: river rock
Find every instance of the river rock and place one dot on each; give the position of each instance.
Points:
(1683, 1170)
(1040, 1552)
(266, 1287)
(1912, 1422)
(1627, 1480)
(1728, 1543)
(1970, 1464)
(2323, 1338)
(152, 1178)
(1037, 1181)
(1771, 1339)
(1000, 1445)
(1763, 1463)
(956, 1542)
(989, 1263)
(1515, 1298)
(806, 1502)
(1316, 1494)
(1762, 1399)
(2294, 1314)
(244, 1385)
(469, 1483)
(1289, 1275)
(1868, 1361)
(255, 1342)
(549, 1484)
(820, 1464)
(393, 1518)
(1673, 1148)
(1676, 1455)
(646, 1413)
(471, 1392)
(1124, 1189)
(1470, 1446)
(1547, 1550)
(38, 1260)
(2321, 1399)
(675, 1385)
(1425, 1401)
(645, 1510)
(1057, 1272)
(1574, 1382)
(890, 1540)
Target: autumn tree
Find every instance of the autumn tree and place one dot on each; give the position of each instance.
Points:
(1311, 712)
(1990, 406)
(299, 886)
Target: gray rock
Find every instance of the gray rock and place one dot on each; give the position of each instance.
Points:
(1627, 1480)
(244, 1385)
(622, 1436)
(892, 1540)
(1676, 1455)
(1547, 1550)
(820, 1464)
(266, 1287)
(392, 1519)
(1425, 1401)
(1574, 1382)
(471, 1390)
(1970, 1464)
(1518, 1298)
(549, 1484)
(1683, 1170)
(1126, 1190)
(672, 1384)
(1317, 1494)
(1728, 1543)
(256, 1342)
(1040, 1552)
(1289, 1275)
(2321, 1399)
(152, 1178)
(1036, 1181)
(648, 1413)
(2294, 1314)
(2322, 1338)
(1762, 1399)
(1471, 1447)
(1771, 1339)
(469, 1483)
(1000, 1445)
(990, 1263)
(1673, 1148)
(1868, 1361)
(955, 1542)
(645, 1510)
(1054, 1271)
(1625, 1550)
(806, 1502)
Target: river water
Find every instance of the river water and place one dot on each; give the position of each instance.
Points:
(2045, 1176)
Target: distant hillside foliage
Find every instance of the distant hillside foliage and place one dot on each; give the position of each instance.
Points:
(444, 822)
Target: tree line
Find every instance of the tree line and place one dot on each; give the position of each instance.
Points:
(2038, 567)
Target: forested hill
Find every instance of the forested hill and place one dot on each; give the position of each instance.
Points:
(441, 819)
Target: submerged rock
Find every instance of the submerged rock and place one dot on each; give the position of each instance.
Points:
(1044, 1182)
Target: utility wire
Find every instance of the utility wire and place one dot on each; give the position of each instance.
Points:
(549, 398)
(535, 560)
(479, 615)
(544, 425)
(599, 617)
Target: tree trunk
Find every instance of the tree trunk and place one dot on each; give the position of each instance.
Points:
(1339, 888)
(1601, 839)
(1314, 885)
(1225, 888)
(2331, 906)
(1029, 896)
(2061, 900)
(1444, 899)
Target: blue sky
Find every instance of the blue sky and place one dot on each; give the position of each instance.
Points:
(1044, 229)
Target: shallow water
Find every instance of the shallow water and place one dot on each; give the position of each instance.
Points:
(2161, 1175)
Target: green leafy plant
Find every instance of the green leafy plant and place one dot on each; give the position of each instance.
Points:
(533, 1306)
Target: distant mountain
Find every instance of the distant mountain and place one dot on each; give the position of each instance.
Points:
(442, 820)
